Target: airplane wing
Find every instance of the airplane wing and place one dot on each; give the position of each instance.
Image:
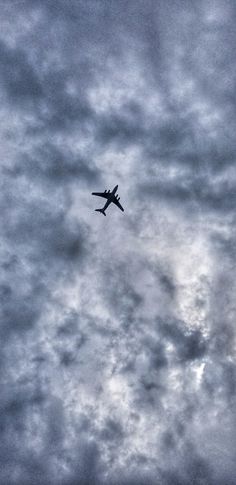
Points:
(115, 201)
(102, 194)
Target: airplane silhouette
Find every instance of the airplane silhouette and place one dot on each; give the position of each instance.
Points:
(111, 197)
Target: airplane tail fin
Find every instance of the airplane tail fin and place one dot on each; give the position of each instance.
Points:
(101, 210)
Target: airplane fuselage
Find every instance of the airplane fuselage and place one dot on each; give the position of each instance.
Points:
(111, 196)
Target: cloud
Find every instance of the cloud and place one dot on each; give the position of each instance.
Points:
(117, 338)
(18, 76)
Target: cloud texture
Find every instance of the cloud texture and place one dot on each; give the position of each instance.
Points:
(117, 359)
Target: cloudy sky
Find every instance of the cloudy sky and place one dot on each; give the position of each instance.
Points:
(117, 360)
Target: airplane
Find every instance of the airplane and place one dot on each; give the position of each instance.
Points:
(111, 197)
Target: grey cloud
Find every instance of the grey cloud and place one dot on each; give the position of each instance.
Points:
(49, 234)
(69, 339)
(197, 191)
(168, 284)
(225, 244)
(53, 165)
(189, 344)
(195, 469)
(18, 76)
(112, 431)
(125, 127)
(121, 296)
(117, 333)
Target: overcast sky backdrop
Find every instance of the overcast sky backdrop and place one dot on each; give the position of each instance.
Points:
(117, 360)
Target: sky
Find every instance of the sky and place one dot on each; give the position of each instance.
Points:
(117, 357)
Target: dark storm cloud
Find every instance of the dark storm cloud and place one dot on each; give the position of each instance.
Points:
(120, 367)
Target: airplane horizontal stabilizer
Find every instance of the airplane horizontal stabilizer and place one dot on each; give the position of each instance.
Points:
(101, 210)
